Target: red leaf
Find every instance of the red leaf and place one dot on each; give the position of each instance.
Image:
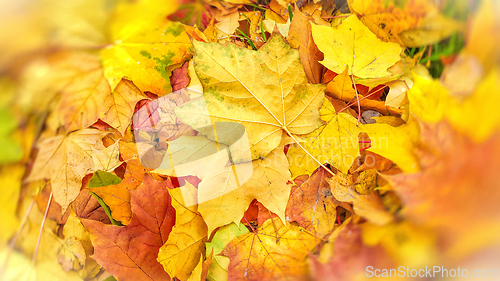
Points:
(180, 78)
(129, 252)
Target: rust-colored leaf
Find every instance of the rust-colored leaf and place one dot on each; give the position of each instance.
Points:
(312, 204)
(126, 251)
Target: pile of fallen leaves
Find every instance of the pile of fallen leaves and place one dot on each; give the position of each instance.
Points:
(248, 140)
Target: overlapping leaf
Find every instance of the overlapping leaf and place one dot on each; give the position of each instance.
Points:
(270, 253)
(355, 46)
(182, 251)
(65, 160)
(126, 251)
(265, 91)
(337, 143)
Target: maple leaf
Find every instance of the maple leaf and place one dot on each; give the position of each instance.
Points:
(226, 189)
(182, 251)
(180, 78)
(125, 251)
(336, 143)
(266, 91)
(65, 160)
(227, 21)
(86, 206)
(83, 87)
(192, 12)
(432, 29)
(349, 48)
(274, 251)
(224, 197)
(86, 94)
(312, 204)
(77, 245)
(341, 87)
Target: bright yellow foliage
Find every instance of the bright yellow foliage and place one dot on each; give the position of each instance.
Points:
(346, 45)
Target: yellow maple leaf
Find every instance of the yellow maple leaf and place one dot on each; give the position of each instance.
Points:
(224, 196)
(336, 143)
(182, 251)
(432, 29)
(83, 89)
(266, 91)
(347, 45)
(226, 189)
(273, 252)
(220, 263)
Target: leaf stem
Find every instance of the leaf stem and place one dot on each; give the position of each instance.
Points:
(357, 98)
(41, 229)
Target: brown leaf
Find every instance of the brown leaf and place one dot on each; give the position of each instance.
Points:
(180, 78)
(312, 204)
(368, 206)
(86, 206)
(300, 37)
(126, 252)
